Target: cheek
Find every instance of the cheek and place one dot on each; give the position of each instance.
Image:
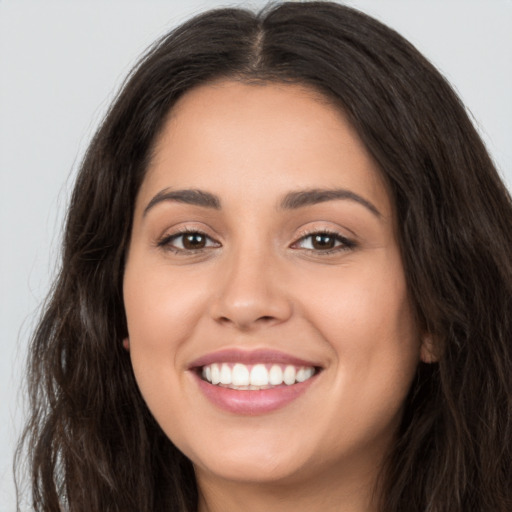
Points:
(361, 307)
(366, 318)
(162, 312)
(162, 307)
(374, 330)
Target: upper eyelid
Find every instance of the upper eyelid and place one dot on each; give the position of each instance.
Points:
(346, 242)
(178, 230)
(321, 232)
(328, 231)
(341, 231)
(183, 232)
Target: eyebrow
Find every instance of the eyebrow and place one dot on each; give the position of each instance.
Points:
(301, 198)
(291, 201)
(187, 196)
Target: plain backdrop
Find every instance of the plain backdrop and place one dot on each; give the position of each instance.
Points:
(60, 65)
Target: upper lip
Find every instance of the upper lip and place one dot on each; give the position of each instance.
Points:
(250, 357)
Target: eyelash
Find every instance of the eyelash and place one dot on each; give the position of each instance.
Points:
(166, 242)
(345, 244)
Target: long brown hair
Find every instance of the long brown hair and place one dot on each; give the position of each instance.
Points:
(91, 441)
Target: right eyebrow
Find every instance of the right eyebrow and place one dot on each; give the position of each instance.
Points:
(187, 196)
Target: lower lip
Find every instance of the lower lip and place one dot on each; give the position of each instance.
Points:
(253, 402)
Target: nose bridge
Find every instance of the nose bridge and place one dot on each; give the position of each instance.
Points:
(250, 291)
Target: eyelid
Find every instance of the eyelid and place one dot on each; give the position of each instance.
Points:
(345, 244)
(342, 242)
(164, 242)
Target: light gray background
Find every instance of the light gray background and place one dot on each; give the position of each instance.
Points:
(60, 63)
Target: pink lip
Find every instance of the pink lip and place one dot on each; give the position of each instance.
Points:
(251, 402)
(250, 357)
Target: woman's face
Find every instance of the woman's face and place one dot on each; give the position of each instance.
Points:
(270, 329)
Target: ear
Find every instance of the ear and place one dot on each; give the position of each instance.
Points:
(126, 344)
(429, 348)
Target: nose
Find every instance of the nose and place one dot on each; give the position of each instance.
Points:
(251, 292)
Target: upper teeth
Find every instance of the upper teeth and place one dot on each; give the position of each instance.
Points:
(256, 376)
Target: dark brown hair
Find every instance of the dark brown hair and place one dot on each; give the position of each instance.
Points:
(91, 441)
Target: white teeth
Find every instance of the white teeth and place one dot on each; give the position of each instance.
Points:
(301, 375)
(275, 376)
(215, 374)
(289, 375)
(258, 376)
(304, 374)
(308, 373)
(240, 375)
(225, 374)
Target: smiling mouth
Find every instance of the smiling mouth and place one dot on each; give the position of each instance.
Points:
(258, 376)
(253, 382)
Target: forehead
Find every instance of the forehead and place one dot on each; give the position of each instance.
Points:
(228, 137)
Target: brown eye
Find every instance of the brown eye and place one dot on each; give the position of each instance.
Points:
(188, 241)
(194, 241)
(323, 241)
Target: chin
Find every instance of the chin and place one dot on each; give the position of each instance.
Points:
(254, 464)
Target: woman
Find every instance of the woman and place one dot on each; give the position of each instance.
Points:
(285, 284)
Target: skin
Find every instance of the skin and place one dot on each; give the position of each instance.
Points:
(259, 283)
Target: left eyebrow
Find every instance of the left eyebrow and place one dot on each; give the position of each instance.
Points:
(187, 196)
(301, 198)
